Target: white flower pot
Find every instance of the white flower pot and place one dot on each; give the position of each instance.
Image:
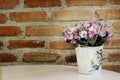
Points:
(89, 59)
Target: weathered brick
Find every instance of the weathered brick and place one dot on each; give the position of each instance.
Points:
(44, 30)
(115, 68)
(2, 18)
(14, 44)
(64, 15)
(7, 57)
(10, 30)
(8, 4)
(42, 3)
(70, 58)
(116, 27)
(115, 44)
(62, 45)
(114, 1)
(29, 16)
(40, 56)
(108, 14)
(85, 2)
(114, 57)
(1, 44)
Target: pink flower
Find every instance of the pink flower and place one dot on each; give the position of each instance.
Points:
(73, 41)
(78, 26)
(67, 36)
(109, 36)
(71, 37)
(74, 38)
(102, 33)
(88, 23)
(92, 31)
(95, 26)
(108, 30)
(91, 34)
(73, 30)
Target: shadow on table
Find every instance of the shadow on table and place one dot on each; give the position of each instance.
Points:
(115, 68)
(0, 72)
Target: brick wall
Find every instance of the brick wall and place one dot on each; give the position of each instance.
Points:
(31, 30)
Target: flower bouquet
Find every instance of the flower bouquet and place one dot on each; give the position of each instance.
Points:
(90, 33)
(88, 39)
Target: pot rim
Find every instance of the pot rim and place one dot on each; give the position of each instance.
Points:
(89, 46)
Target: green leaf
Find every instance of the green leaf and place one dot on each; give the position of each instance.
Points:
(75, 45)
(100, 41)
(90, 42)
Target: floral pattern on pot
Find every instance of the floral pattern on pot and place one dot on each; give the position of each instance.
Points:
(97, 61)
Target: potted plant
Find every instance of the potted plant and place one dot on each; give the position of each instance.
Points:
(88, 39)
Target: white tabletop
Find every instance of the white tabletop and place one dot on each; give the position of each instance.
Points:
(53, 72)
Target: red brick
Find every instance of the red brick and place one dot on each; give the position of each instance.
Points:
(42, 3)
(114, 1)
(115, 44)
(64, 15)
(7, 57)
(10, 30)
(114, 57)
(40, 56)
(85, 2)
(2, 18)
(14, 44)
(49, 30)
(1, 44)
(108, 14)
(61, 45)
(8, 4)
(70, 58)
(116, 27)
(115, 68)
(29, 16)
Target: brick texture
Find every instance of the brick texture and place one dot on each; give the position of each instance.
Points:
(8, 4)
(108, 14)
(116, 27)
(114, 2)
(70, 58)
(114, 57)
(2, 18)
(42, 3)
(65, 15)
(14, 44)
(7, 57)
(115, 68)
(10, 30)
(113, 44)
(40, 56)
(61, 45)
(85, 2)
(29, 16)
(49, 30)
(38, 25)
(1, 44)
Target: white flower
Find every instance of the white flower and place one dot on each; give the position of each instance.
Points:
(83, 34)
